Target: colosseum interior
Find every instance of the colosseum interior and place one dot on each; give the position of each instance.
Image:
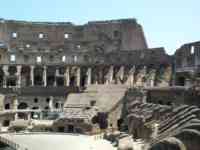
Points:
(98, 78)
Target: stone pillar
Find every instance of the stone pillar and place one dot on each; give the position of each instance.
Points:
(78, 76)
(67, 77)
(130, 80)
(89, 76)
(29, 115)
(45, 76)
(15, 103)
(15, 106)
(51, 107)
(120, 75)
(56, 74)
(19, 68)
(109, 76)
(60, 105)
(32, 75)
(6, 74)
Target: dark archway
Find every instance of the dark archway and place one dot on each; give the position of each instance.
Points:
(7, 106)
(60, 81)
(73, 81)
(25, 74)
(38, 76)
(6, 123)
(181, 81)
(119, 124)
(160, 102)
(1, 77)
(23, 106)
(50, 80)
(83, 80)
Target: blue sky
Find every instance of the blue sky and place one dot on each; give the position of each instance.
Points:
(166, 23)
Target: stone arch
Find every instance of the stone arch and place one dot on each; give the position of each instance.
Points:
(35, 107)
(119, 123)
(25, 74)
(160, 102)
(6, 123)
(60, 81)
(51, 78)
(12, 79)
(38, 76)
(22, 106)
(46, 108)
(12, 70)
(84, 77)
(7, 106)
(72, 81)
(181, 81)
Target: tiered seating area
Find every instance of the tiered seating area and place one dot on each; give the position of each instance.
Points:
(143, 116)
(183, 125)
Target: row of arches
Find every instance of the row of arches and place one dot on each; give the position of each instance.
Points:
(24, 105)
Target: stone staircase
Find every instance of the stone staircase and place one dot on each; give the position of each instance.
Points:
(106, 96)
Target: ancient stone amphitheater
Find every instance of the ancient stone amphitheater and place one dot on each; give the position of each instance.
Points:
(98, 84)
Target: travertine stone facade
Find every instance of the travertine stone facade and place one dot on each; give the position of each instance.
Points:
(187, 63)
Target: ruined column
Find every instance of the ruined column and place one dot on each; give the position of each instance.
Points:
(45, 76)
(78, 76)
(67, 78)
(51, 103)
(120, 75)
(15, 106)
(130, 80)
(109, 76)
(32, 75)
(89, 76)
(15, 103)
(19, 68)
(6, 74)
(29, 116)
(152, 75)
(56, 74)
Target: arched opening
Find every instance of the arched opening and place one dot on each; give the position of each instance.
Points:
(22, 116)
(83, 80)
(119, 124)
(169, 103)
(73, 81)
(12, 70)
(51, 76)
(35, 115)
(1, 77)
(57, 105)
(7, 106)
(6, 123)
(46, 108)
(181, 81)
(11, 81)
(60, 81)
(35, 108)
(25, 76)
(23, 106)
(38, 76)
(50, 80)
(160, 102)
(61, 129)
(70, 128)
